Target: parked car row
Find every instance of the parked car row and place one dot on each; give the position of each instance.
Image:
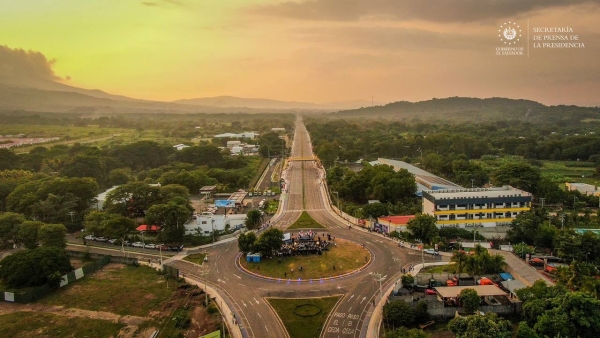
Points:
(162, 247)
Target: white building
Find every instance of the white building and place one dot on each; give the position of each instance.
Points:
(205, 223)
(246, 134)
(277, 129)
(478, 207)
(101, 198)
(180, 146)
(584, 188)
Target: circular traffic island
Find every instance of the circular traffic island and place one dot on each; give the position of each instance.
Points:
(307, 310)
(342, 257)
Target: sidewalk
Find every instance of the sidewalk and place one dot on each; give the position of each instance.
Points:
(374, 323)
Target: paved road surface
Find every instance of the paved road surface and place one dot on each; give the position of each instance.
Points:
(246, 294)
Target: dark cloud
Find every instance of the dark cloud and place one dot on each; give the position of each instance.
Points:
(431, 10)
(21, 66)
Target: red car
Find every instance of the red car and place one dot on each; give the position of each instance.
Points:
(430, 292)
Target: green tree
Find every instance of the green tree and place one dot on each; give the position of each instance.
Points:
(270, 241)
(100, 223)
(53, 235)
(35, 267)
(28, 233)
(398, 313)
(403, 332)
(524, 331)
(375, 210)
(470, 300)
(421, 312)
(132, 199)
(520, 175)
(9, 225)
(477, 326)
(253, 218)
(246, 241)
(408, 280)
(423, 227)
(172, 217)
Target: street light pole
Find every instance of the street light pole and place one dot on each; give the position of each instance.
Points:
(378, 277)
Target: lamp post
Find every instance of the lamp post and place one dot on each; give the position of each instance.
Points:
(212, 222)
(203, 271)
(378, 277)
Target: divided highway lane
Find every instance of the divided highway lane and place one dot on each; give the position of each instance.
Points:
(245, 294)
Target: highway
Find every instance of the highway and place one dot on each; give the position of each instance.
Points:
(245, 294)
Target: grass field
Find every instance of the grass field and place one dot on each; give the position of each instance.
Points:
(39, 324)
(125, 290)
(305, 222)
(303, 318)
(346, 256)
(570, 171)
(195, 258)
(449, 268)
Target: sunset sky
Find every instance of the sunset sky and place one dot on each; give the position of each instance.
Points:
(313, 51)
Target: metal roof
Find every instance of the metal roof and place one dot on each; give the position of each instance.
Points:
(482, 290)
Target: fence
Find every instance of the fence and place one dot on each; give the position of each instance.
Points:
(40, 291)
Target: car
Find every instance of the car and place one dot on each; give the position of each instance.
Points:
(101, 239)
(138, 245)
(150, 246)
(175, 247)
(431, 252)
(90, 238)
(430, 292)
(113, 241)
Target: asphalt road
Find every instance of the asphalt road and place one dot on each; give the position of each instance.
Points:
(245, 294)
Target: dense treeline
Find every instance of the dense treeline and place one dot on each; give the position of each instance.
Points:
(171, 125)
(346, 140)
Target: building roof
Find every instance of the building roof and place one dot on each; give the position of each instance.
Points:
(208, 188)
(423, 177)
(238, 196)
(513, 285)
(400, 220)
(505, 191)
(482, 290)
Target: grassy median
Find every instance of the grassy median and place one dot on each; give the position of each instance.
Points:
(305, 222)
(304, 317)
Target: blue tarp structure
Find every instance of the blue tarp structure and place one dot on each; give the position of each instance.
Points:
(225, 203)
(253, 258)
(506, 276)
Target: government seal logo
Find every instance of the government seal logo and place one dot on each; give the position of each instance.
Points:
(509, 33)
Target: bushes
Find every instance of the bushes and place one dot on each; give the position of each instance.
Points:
(399, 313)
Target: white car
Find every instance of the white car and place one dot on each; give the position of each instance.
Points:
(138, 245)
(101, 239)
(431, 252)
(90, 238)
(150, 246)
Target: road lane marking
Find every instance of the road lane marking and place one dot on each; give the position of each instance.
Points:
(363, 299)
(254, 298)
(237, 276)
(350, 297)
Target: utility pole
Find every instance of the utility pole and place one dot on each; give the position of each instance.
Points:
(542, 200)
(378, 277)
(472, 183)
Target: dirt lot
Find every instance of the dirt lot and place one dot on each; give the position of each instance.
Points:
(180, 310)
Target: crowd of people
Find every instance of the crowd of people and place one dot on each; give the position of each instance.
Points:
(305, 243)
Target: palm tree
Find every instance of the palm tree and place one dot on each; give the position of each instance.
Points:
(460, 258)
(496, 264)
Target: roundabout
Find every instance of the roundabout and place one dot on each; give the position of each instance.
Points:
(343, 258)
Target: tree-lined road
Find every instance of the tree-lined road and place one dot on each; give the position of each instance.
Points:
(245, 294)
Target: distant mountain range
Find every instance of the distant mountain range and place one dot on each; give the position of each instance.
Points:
(460, 109)
(51, 96)
(240, 102)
